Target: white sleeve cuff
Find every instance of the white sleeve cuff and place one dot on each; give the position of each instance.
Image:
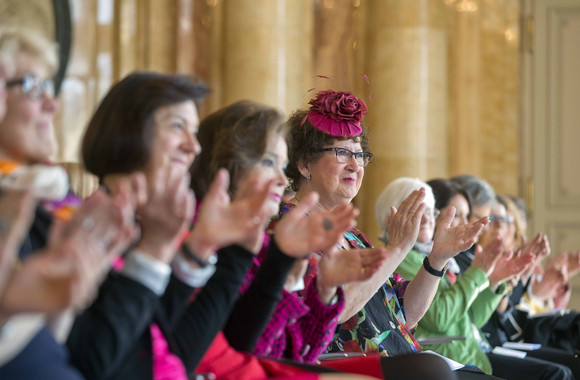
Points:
(194, 277)
(147, 270)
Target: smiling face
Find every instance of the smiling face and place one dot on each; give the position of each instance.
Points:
(272, 165)
(27, 132)
(337, 183)
(174, 143)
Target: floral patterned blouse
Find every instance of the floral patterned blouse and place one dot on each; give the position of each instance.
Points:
(381, 325)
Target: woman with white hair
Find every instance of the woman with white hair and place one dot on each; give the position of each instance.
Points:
(462, 305)
(394, 194)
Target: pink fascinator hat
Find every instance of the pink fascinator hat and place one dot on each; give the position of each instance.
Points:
(337, 113)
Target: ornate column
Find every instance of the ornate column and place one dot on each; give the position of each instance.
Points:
(266, 52)
(465, 85)
(406, 62)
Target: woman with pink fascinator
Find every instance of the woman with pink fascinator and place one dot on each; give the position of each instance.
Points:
(328, 154)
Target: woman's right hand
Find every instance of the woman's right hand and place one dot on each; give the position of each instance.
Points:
(166, 215)
(404, 223)
(222, 222)
(78, 254)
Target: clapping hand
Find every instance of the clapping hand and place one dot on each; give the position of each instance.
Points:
(222, 222)
(573, 263)
(298, 233)
(404, 223)
(539, 247)
(555, 276)
(486, 258)
(509, 266)
(448, 241)
(67, 272)
(338, 267)
(166, 215)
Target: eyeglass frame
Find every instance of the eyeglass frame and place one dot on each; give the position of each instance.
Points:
(432, 213)
(351, 155)
(508, 219)
(29, 83)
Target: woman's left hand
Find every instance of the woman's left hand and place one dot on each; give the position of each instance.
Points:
(509, 266)
(449, 241)
(298, 234)
(338, 267)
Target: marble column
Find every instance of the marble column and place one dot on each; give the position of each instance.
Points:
(500, 95)
(266, 52)
(406, 62)
(465, 87)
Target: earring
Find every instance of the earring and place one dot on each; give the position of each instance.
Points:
(309, 177)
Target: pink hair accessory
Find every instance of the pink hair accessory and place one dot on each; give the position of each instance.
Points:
(337, 113)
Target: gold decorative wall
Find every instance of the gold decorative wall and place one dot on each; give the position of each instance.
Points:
(443, 73)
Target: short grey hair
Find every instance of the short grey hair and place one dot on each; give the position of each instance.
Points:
(393, 195)
(481, 192)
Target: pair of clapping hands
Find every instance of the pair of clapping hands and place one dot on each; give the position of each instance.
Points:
(552, 281)
(509, 266)
(77, 254)
(405, 222)
(67, 271)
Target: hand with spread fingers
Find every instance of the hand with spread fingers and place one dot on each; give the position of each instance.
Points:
(486, 258)
(449, 241)
(222, 222)
(539, 247)
(299, 233)
(337, 267)
(554, 277)
(67, 272)
(404, 223)
(509, 266)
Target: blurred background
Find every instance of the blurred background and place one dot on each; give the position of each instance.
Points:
(484, 87)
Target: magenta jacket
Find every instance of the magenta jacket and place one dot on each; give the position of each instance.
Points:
(300, 328)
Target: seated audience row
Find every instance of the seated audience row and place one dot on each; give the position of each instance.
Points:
(186, 261)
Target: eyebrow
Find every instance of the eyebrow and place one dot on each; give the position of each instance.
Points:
(341, 147)
(176, 115)
(275, 155)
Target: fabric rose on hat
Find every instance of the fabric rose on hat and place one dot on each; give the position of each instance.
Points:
(337, 113)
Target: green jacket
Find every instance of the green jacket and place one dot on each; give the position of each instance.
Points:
(455, 308)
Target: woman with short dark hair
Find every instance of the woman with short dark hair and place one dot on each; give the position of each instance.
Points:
(142, 323)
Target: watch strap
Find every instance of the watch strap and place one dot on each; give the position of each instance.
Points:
(433, 271)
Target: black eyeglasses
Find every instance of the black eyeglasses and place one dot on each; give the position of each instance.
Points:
(344, 155)
(33, 86)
